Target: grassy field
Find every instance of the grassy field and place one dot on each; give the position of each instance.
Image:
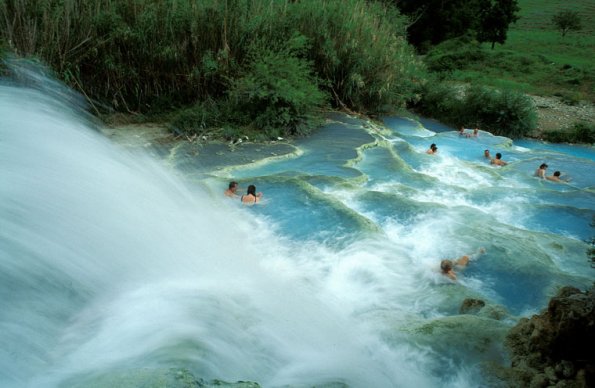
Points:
(537, 59)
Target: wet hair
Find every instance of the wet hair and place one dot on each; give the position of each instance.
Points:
(232, 184)
(498, 155)
(543, 165)
(445, 265)
(433, 147)
(556, 173)
(251, 190)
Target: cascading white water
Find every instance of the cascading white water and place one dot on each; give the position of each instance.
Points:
(109, 262)
(113, 265)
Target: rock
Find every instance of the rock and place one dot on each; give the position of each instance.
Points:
(553, 345)
(471, 306)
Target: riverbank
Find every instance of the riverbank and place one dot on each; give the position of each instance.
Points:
(555, 115)
(552, 115)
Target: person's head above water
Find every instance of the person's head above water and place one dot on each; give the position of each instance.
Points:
(498, 155)
(251, 190)
(446, 265)
(233, 185)
(543, 165)
(557, 173)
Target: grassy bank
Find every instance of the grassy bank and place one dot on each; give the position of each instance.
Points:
(536, 58)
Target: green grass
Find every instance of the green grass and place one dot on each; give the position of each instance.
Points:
(536, 58)
(537, 14)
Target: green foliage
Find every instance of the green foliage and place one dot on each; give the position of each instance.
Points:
(494, 18)
(526, 68)
(277, 89)
(504, 113)
(567, 20)
(197, 118)
(580, 132)
(160, 55)
(434, 21)
(454, 54)
(359, 48)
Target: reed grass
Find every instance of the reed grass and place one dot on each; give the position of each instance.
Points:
(159, 55)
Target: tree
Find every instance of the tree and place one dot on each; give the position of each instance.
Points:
(434, 21)
(567, 20)
(494, 18)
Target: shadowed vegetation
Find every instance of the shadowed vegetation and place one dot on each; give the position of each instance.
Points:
(264, 65)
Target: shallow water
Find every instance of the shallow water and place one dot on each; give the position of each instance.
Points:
(118, 258)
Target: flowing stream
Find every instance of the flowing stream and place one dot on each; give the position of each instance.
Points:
(120, 259)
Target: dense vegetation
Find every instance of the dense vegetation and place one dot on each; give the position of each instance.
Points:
(434, 21)
(266, 65)
(536, 59)
(270, 67)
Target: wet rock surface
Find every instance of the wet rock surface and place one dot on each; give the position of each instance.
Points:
(555, 348)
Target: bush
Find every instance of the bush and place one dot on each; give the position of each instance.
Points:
(196, 118)
(504, 113)
(277, 89)
(439, 101)
(580, 132)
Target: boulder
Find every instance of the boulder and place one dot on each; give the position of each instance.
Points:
(555, 348)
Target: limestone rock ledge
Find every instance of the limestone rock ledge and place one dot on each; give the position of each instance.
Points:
(555, 348)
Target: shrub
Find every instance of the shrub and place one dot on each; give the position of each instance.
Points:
(196, 118)
(277, 89)
(504, 113)
(439, 101)
(580, 132)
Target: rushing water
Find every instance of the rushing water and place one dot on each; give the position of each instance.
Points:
(116, 262)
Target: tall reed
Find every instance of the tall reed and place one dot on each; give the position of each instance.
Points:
(150, 55)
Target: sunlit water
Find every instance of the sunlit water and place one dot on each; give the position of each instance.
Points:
(115, 260)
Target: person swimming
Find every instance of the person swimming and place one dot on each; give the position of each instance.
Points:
(555, 177)
(432, 150)
(498, 160)
(447, 266)
(251, 197)
(540, 172)
(231, 190)
(486, 154)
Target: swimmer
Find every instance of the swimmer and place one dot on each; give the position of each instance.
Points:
(556, 177)
(462, 132)
(231, 190)
(432, 150)
(447, 266)
(475, 132)
(498, 160)
(251, 196)
(540, 172)
(486, 154)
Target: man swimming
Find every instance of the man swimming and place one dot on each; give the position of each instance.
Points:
(231, 190)
(498, 160)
